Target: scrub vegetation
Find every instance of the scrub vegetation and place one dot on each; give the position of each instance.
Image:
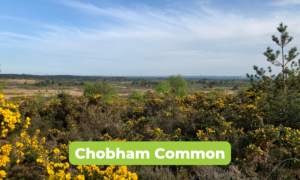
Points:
(261, 122)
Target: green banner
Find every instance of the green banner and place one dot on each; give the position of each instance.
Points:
(149, 153)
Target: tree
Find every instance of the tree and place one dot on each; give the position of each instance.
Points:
(88, 89)
(163, 86)
(271, 57)
(278, 95)
(136, 95)
(174, 82)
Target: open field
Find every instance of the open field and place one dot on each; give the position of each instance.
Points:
(32, 87)
(124, 92)
(12, 90)
(46, 93)
(21, 81)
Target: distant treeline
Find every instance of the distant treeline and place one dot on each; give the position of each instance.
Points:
(65, 77)
(70, 80)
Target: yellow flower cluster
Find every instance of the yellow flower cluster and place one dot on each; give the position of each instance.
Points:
(250, 107)
(138, 110)
(5, 152)
(157, 133)
(158, 101)
(10, 118)
(30, 143)
(2, 174)
(199, 134)
(255, 148)
(120, 174)
(27, 122)
(168, 113)
(57, 132)
(57, 170)
(140, 119)
(109, 174)
(220, 103)
(96, 96)
(107, 137)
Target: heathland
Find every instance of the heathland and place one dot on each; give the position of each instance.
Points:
(259, 117)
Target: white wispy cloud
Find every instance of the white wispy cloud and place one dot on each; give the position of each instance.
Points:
(285, 2)
(11, 34)
(148, 41)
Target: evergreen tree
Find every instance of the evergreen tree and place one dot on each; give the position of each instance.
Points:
(279, 93)
(271, 57)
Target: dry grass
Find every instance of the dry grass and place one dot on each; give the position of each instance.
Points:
(19, 81)
(13, 91)
(24, 92)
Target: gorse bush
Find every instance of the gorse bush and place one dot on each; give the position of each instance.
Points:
(257, 146)
(27, 155)
(101, 88)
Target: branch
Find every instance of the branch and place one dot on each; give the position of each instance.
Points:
(279, 164)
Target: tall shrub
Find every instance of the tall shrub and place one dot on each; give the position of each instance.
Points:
(101, 88)
(174, 82)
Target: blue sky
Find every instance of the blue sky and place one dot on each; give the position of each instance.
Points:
(142, 37)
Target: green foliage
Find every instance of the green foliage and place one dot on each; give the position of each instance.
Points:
(174, 82)
(281, 91)
(219, 90)
(40, 97)
(2, 86)
(88, 89)
(2, 83)
(136, 95)
(235, 88)
(210, 94)
(53, 96)
(101, 88)
(163, 86)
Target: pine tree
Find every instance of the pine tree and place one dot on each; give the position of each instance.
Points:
(272, 57)
(280, 92)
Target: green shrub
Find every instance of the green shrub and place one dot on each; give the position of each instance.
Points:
(53, 96)
(219, 90)
(40, 97)
(235, 88)
(101, 88)
(174, 82)
(2, 86)
(136, 95)
(163, 86)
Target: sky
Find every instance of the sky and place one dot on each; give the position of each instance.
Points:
(142, 37)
